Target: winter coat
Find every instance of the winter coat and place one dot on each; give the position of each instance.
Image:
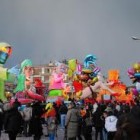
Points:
(12, 121)
(27, 113)
(97, 121)
(110, 123)
(87, 126)
(35, 125)
(71, 122)
(63, 109)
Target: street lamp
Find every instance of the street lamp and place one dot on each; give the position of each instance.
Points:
(135, 38)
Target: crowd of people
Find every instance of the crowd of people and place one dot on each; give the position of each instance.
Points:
(98, 121)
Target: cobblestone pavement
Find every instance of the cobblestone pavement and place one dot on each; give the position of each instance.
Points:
(60, 135)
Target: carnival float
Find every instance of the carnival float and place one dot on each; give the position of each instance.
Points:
(67, 81)
(86, 82)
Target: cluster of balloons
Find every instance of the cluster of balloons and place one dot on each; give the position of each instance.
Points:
(134, 75)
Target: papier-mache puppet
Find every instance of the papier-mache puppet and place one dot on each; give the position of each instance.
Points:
(24, 90)
(5, 52)
(134, 75)
(92, 78)
(57, 83)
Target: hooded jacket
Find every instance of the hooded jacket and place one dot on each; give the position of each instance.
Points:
(110, 123)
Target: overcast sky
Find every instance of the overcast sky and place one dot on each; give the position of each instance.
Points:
(44, 30)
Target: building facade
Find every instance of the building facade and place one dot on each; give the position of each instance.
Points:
(43, 73)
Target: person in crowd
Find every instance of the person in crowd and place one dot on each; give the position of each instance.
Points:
(128, 125)
(98, 122)
(35, 126)
(104, 132)
(87, 126)
(90, 107)
(95, 105)
(80, 121)
(1, 116)
(125, 108)
(110, 123)
(27, 114)
(52, 127)
(12, 121)
(63, 111)
(71, 123)
(56, 107)
(82, 111)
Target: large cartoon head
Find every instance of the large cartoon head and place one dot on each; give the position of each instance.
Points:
(90, 61)
(61, 68)
(26, 66)
(5, 52)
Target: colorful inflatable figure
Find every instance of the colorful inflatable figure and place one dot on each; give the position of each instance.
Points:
(89, 61)
(74, 68)
(24, 91)
(134, 75)
(5, 52)
(57, 83)
(39, 86)
(117, 86)
(92, 78)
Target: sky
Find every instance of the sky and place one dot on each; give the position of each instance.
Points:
(48, 30)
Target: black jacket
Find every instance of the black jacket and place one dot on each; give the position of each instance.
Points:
(12, 121)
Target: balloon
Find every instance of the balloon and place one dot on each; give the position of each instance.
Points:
(131, 71)
(136, 66)
(137, 75)
(134, 91)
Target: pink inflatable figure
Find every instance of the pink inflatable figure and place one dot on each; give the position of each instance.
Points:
(58, 76)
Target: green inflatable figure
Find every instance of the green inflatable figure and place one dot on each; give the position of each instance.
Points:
(24, 76)
(5, 52)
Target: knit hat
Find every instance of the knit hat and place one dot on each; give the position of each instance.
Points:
(108, 109)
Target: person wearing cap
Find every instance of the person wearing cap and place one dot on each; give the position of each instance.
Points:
(71, 123)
